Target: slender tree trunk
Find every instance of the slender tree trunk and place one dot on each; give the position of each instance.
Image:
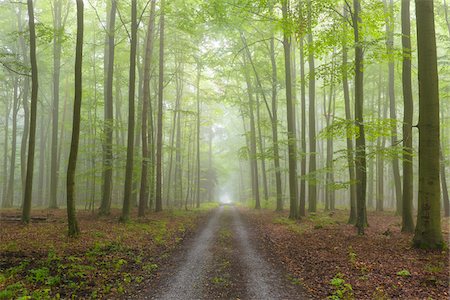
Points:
(329, 115)
(131, 116)
(5, 158)
(105, 205)
(349, 140)
(159, 141)
(302, 208)
(428, 230)
(25, 105)
(199, 70)
(407, 207)
(71, 217)
(178, 162)
(143, 195)
(381, 142)
(55, 106)
(32, 139)
(9, 200)
(445, 197)
(42, 167)
(312, 188)
(360, 161)
(291, 130)
(276, 151)
(253, 150)
(261, 149)
(389, 11)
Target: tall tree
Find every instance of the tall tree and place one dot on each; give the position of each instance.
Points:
(302, 208)
(312, 188)
(143, 196)
(9, 200)
(131, 116)
(276, 150)
(71, 217)
(34, 98)
(253, 150)
(290, 109)
(159, 137)
(389, 11)
(58, 27)
(105, 204)
(360, 158)
(407, 218)
(428, 229)
(348, 117)
(199, 74)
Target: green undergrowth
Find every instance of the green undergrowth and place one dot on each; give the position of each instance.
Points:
(107, 259)
(312, 221)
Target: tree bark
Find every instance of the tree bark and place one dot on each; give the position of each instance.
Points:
(131, 116)
(32, 138)
(428, 230)
(302, 208)
(312, 188)
(252, 139)
(71, 217)
(105, 205)
(445, 197)
(389, 11)
(143, 195)
(158, 196)
(360, 159)
(199, 70)
(408, 171)
(291, 130)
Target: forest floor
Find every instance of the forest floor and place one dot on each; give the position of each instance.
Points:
(324, 255)
(105, 261)
(225, 253)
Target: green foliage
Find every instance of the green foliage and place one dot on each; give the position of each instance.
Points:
(150, 268)
(38, 275)
(342, 290)
(12, 291)
(352, 255)
(404, 273)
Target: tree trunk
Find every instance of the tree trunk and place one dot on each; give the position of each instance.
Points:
(25, 104)
(276, 151)
(312, 188)
(428, 230)
(131, 116)
(261, 149)
(408, 171)
(105, 205)
(302, 208)
(9, 200)
(71, 217)
(159, 141)
(445, 197)
(32, 138)
(389, 11)
(253, 150)
(5, 158)
(143, 195)
(55, 107)
(360, 161)
(291, 130)
(199, 70)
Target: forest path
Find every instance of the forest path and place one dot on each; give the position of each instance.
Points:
(225, 260)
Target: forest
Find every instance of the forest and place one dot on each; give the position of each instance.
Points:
(224, 149)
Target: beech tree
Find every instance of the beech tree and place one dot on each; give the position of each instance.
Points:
(428, 229)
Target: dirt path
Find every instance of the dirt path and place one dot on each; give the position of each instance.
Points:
(225, 260)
